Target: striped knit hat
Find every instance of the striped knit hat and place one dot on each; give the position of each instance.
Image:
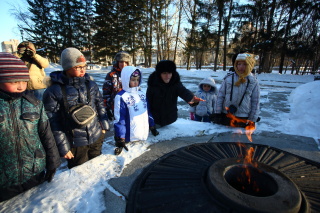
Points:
(12, 69)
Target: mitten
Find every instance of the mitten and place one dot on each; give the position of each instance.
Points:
(216, 118)
(192, 116)
(154, 131)
(110, 115)
(120, 142)
(49, 175)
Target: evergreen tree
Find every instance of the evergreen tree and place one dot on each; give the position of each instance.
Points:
(40, 31)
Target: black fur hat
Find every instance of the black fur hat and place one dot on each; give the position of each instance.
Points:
(166, 66)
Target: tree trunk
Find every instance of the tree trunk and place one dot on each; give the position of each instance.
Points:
(218, 46)
(284, 48)
(178, 31)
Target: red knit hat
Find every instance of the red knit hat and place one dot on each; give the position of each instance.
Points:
(12, 69)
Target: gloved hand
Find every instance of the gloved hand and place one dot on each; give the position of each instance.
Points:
(154, 131)
(49, 175)
(216, 118)
(120, 142)
(192, 116)
(110, 115)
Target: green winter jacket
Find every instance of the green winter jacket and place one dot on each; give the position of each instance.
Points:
(27, 145)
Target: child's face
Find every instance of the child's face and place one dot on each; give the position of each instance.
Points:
(16, 87)
(122, 64)
(241, 66)
(206, 87)
(77, 71)
(134, 81)
(166, 77)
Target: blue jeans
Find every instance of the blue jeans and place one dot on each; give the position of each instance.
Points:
(201, 118)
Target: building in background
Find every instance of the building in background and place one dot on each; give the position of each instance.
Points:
(10, 46)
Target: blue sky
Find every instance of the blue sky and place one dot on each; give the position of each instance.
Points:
(8, 24)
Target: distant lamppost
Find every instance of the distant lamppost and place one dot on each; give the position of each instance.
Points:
(21, 31)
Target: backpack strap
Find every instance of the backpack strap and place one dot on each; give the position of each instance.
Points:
(248, 81)
(64, 95)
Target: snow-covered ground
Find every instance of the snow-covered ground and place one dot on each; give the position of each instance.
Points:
(81, 188)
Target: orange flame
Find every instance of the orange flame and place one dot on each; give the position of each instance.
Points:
(248, 156)
(249, 126)
(248, 160)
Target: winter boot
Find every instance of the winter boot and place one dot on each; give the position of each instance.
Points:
(118, 150)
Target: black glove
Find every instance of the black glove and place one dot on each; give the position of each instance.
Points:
(216, 118)
(49, 175)
(110, 115)
(154, 131)
(120, 142)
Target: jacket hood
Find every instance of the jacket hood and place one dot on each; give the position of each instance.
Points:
(125, 77)
(210, 81)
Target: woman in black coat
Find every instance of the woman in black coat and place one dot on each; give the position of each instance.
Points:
(164, 88)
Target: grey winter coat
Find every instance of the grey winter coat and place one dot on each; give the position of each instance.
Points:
(205, 108)
(76, 92)
(27, 144)
(229, 94)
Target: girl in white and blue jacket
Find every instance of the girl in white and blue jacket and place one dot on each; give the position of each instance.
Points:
(132, 117)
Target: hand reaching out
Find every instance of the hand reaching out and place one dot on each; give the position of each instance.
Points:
(69, 155)
(195, 101)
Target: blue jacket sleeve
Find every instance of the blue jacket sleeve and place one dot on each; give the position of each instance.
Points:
(120, 114)
(55, 113)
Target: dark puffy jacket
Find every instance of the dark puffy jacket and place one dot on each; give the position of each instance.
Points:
(27, 145)
(163, 97)
(111, 86)
(76, 93)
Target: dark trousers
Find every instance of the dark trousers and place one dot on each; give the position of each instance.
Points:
(83, 154)
(10, 192)
(201, 118)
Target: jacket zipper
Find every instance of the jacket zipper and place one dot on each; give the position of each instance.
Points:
(13, 116)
